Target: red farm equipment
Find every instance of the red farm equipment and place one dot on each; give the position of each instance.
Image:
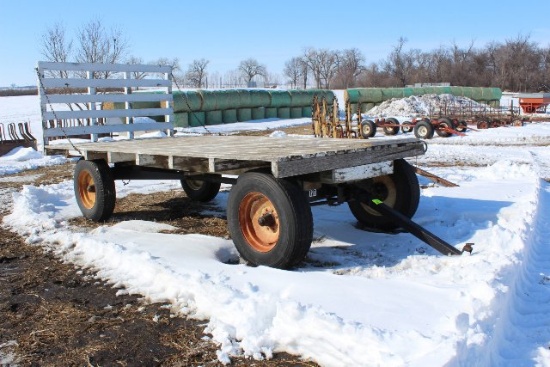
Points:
(534, 102)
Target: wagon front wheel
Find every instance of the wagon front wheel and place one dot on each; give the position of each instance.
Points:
(269, 220)
(94, 189)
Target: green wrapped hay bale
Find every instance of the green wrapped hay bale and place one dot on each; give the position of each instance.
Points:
(181, 119)
(214, 117)
(245, 100)
(187, 101)
(280, 98)
(197, 118)
(244, 114)
(271, 112)
(295, 112)
(300, 98)
(258, 113)
(306, 111)
(283, 112)
(229, 116)
(228, 99)
(259, 98)
(210, 100)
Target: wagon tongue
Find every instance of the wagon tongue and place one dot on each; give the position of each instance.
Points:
(414, 228)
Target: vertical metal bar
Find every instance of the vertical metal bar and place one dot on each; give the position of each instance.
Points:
(127, 106)
(91, 105)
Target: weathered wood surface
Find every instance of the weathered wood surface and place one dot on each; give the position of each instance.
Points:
(61, 104)
(286, 156)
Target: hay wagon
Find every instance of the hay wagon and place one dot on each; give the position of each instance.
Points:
(275, 180)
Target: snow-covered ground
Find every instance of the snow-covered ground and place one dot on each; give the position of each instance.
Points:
(360, 299)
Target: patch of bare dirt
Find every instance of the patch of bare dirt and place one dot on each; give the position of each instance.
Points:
(53, 314)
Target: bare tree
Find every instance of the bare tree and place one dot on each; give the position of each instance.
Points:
(293, 71)
(133, 60)
(400, 64)
(311, 58)
(249, 68)
(56, 47)
(97, 45)
(196, 73)
(350, 66)
(323, 64)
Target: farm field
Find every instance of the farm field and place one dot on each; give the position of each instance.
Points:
(359, 299)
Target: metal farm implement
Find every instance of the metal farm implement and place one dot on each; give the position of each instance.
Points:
(16, 135)
(275, 180)
(449, 120)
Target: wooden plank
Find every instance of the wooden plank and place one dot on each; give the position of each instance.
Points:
(113, 157)
(287, 168)
(150, 160)
(232, 165)
(117, 98)
(75, 66)
(357, 173)
(190, 164)
(139, 112)
(105, 129)
(91, 155)
(103, 83)
(287, 156)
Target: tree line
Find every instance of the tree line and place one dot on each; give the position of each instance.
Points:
(517, 64)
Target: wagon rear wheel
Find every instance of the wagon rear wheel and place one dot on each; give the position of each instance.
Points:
(445, 124)
(393, 129)
(406, 127)
(368, 129)
(269, 220)
(423, 130)
(199, 190)
(94, 189)
(400, 191)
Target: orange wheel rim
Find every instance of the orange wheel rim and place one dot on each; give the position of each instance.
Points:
(86, 189)
(259, 222)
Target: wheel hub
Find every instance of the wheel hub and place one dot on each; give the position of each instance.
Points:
(86, 189)
(259, 221)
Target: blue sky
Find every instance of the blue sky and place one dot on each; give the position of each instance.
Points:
(226, 32)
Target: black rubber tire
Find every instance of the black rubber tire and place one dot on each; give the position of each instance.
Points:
(461, 126)
(406, 127)
(94, 189)
(391, 130)
(203, 191)
(400, 191)
(423, 130)
(482, 125)
(444, 123)
(286, 239)
(368, 129)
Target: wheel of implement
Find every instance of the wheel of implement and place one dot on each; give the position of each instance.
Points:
(269, 220)
(461, 126)
(443, 127)
(391, 130)
(423, 130)
(400, 191)
(94, 189)
(368, 129)
(482, 125)
(198, 190)
(406, 127)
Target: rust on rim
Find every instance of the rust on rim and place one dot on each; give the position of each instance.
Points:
(259, 222)
(86, 189)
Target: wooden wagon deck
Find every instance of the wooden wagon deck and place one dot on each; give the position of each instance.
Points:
(287, 156)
